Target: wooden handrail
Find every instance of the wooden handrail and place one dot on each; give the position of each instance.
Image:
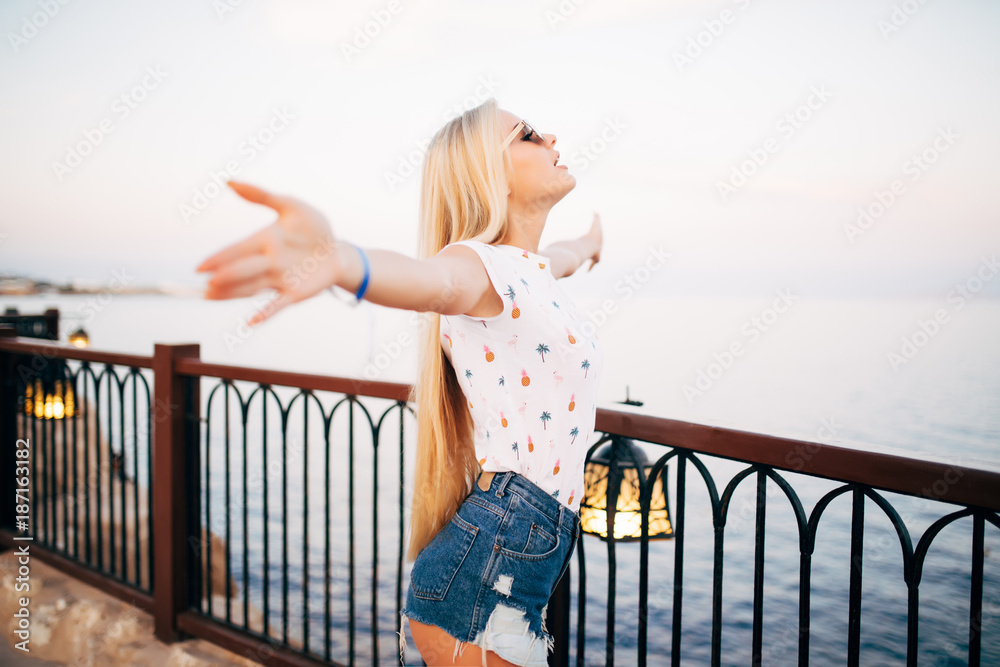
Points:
(57, 350)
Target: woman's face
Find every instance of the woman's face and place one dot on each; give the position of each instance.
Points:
(537, 180)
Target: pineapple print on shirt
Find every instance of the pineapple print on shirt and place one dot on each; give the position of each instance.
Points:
(530, 374)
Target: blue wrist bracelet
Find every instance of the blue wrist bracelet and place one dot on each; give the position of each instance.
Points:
(360, 294)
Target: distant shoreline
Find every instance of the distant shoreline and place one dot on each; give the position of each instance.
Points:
(18, 286)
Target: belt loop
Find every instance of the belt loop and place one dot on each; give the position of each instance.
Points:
(484, 480)
(503, 482)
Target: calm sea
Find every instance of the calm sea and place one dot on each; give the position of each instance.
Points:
(886, 374)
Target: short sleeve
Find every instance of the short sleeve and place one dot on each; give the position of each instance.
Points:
(497, 273)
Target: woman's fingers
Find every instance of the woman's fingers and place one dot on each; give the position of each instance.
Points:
(264, 259)
(258, 195)
(236, 291)
(240, 271)
(255, 244)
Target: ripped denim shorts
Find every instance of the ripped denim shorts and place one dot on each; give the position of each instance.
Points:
(487, 576)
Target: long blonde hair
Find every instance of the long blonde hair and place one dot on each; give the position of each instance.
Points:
(463, 196)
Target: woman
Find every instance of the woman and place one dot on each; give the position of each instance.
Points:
(507, 389)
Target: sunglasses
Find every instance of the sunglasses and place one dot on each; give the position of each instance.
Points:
(530, 134)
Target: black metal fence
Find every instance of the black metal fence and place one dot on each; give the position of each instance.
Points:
(77, 434)
(260, 510)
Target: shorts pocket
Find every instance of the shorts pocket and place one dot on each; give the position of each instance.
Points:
(440, 560)
(526, 533)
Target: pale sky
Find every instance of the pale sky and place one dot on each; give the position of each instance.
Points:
(680, 109)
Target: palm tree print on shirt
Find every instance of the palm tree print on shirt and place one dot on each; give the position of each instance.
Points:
(516, 312)
(542, 349)
(514, 447)
(545, 419)
(585, 366)
(468, 375)
(574, 432)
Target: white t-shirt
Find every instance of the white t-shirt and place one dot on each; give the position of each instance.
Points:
(529, 374)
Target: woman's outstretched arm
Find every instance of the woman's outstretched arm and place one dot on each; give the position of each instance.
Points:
(568, 256)
(298, 256)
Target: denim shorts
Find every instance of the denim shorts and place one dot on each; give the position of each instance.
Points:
(487, 576)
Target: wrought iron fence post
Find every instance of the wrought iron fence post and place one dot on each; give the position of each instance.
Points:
(557, 621)
(175, 419)
(8, 432)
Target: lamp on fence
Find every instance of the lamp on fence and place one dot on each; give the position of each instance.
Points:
(47, 400)
(615, 471)
(79, 338)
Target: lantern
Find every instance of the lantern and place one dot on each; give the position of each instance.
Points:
(79, 338)
(620, 470)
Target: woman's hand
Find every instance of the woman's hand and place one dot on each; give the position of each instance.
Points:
(296, 256)
(596, 237)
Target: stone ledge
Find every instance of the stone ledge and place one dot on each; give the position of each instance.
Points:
(75, 624)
